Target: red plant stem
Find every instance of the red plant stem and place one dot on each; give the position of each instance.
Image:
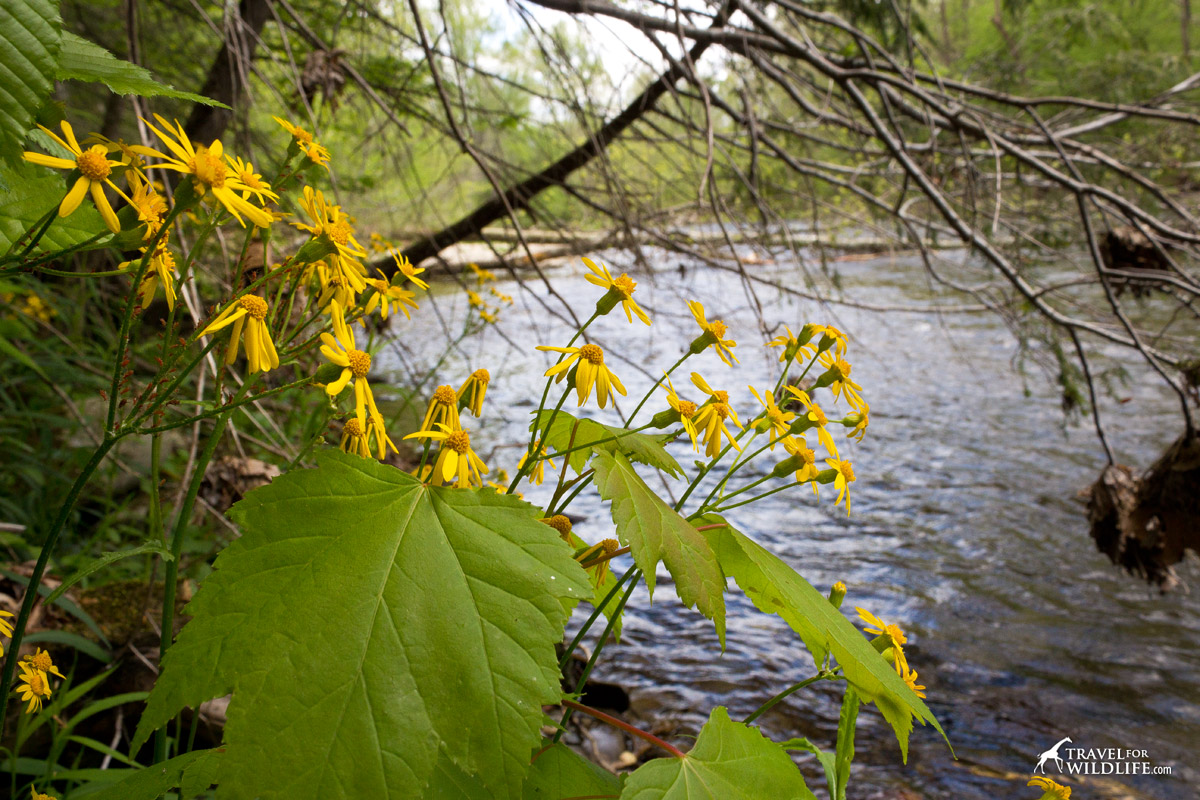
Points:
(711, 527)
(625, 726)
(601, 559)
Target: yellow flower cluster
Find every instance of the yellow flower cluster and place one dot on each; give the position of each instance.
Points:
(457, 462)
(34, 687)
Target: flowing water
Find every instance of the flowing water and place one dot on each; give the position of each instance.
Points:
(966, 529)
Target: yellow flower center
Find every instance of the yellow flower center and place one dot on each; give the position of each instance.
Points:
(302, 136)
(687, 409)
(625, 285)
(842, 368)
(721, 397)
(592, 353)
(718, 328)
(848, 473)
(776, 417)
(41, 660)
(37, 685)
(610, 546)
(255, 306)
(482, 376)
(340, 232)
(208, 168)
(444, 395)
(818, 416)
(353, 428)
(360, 363)
(721, 409)
(459, 442)
(93, 163)
(808, 456)
(560, 523)
(896, 633)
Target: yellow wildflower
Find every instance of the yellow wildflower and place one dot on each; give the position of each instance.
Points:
(389, 297)
(686, 410)
(803, 461)
(334, 284)
(94, 168)
(161, 269)
(589, 371)
(815, 417)
(894, 634)
(377, 431)
(474, 300)
(845, 477)
(407, 269)
(251, 180)
(341, 349)
(247, 313)
(41, 661)
(36, 795)
(777, 421)
(482, 275)
(712, 333)
(792, 345)
(538, 473)
(456, 460)
(209, 172)
(619, 290)
(6, 628)
(330, 221)
(910, 678)
(560, 523)
(354, 438)
(1051, 790)
(474, 388)
(132, 155)
(151, 206)
(488, 317)
(443, 409)
(830, 337)
(34, 688)
(837, 377)
(503, 298)
(711, 417)
(314, 151)
(857, 420)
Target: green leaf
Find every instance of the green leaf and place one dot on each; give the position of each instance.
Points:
(558, 771)
(32, 37)
(655, 532)
(70, 639)
(640, 447)
(106, 559)
(153, 781)
(776, 588)
(82, 60)
(33, 191)
(365, 613)
(730, 761)
(828, 761)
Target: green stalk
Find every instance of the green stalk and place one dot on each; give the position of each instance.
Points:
(35, 580)
(657, 383)
(767, 706)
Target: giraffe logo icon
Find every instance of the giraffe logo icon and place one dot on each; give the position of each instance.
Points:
(1051, 755)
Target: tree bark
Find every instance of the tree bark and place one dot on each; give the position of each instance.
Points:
(228, 70)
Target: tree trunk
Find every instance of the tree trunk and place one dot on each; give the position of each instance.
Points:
(228, 71)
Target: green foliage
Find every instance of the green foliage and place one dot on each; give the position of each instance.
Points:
(644, 448)
(656, 532)
(30, 194)
(82, 60)
(32, 34)
(776, 588)
(730, 761)
(364, 612)
(192, 772)
(558, 771)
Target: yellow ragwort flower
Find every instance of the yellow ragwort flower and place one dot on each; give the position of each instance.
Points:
(845, 477)
(94, 168)
(792, 345)
(1051, 790)
(837, 378)
(482, 275)
(341, 349)
(456, 461)
(488, 317)
(443, 409)
(537, 474)
(686, 410)
(858, 420)
(160, 270)
(36, 795)
(247, 314)
(910, 678)
(41, 661)
(6, 628)
(151, 206)
(589, 371)
(894, 633)
(388, 297)
(331, 221)
(34, 687)
(803, 460)
(830, 337)
(377, 431)
(254, 184)
(314, 151)
(209, 172)
(619, 290)
(131, 155)
(354, 438)
(474, 300)
(560, 523)
(407, 269)
(711, 417)
(712, 333)
(816, 417)
(774, 419)
(471, 393)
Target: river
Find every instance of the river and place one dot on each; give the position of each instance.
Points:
(966, 530)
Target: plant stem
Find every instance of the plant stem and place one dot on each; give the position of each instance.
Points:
(657, 383)
(767, 706)
(625, 726)
(35, 580)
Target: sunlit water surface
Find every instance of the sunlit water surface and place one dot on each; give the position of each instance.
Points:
(966, 529)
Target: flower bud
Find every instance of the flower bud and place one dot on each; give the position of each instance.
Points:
(826, 476)
(608, 302)
(706, 339)
(787, 466)
(837, 593)
(665, 419)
